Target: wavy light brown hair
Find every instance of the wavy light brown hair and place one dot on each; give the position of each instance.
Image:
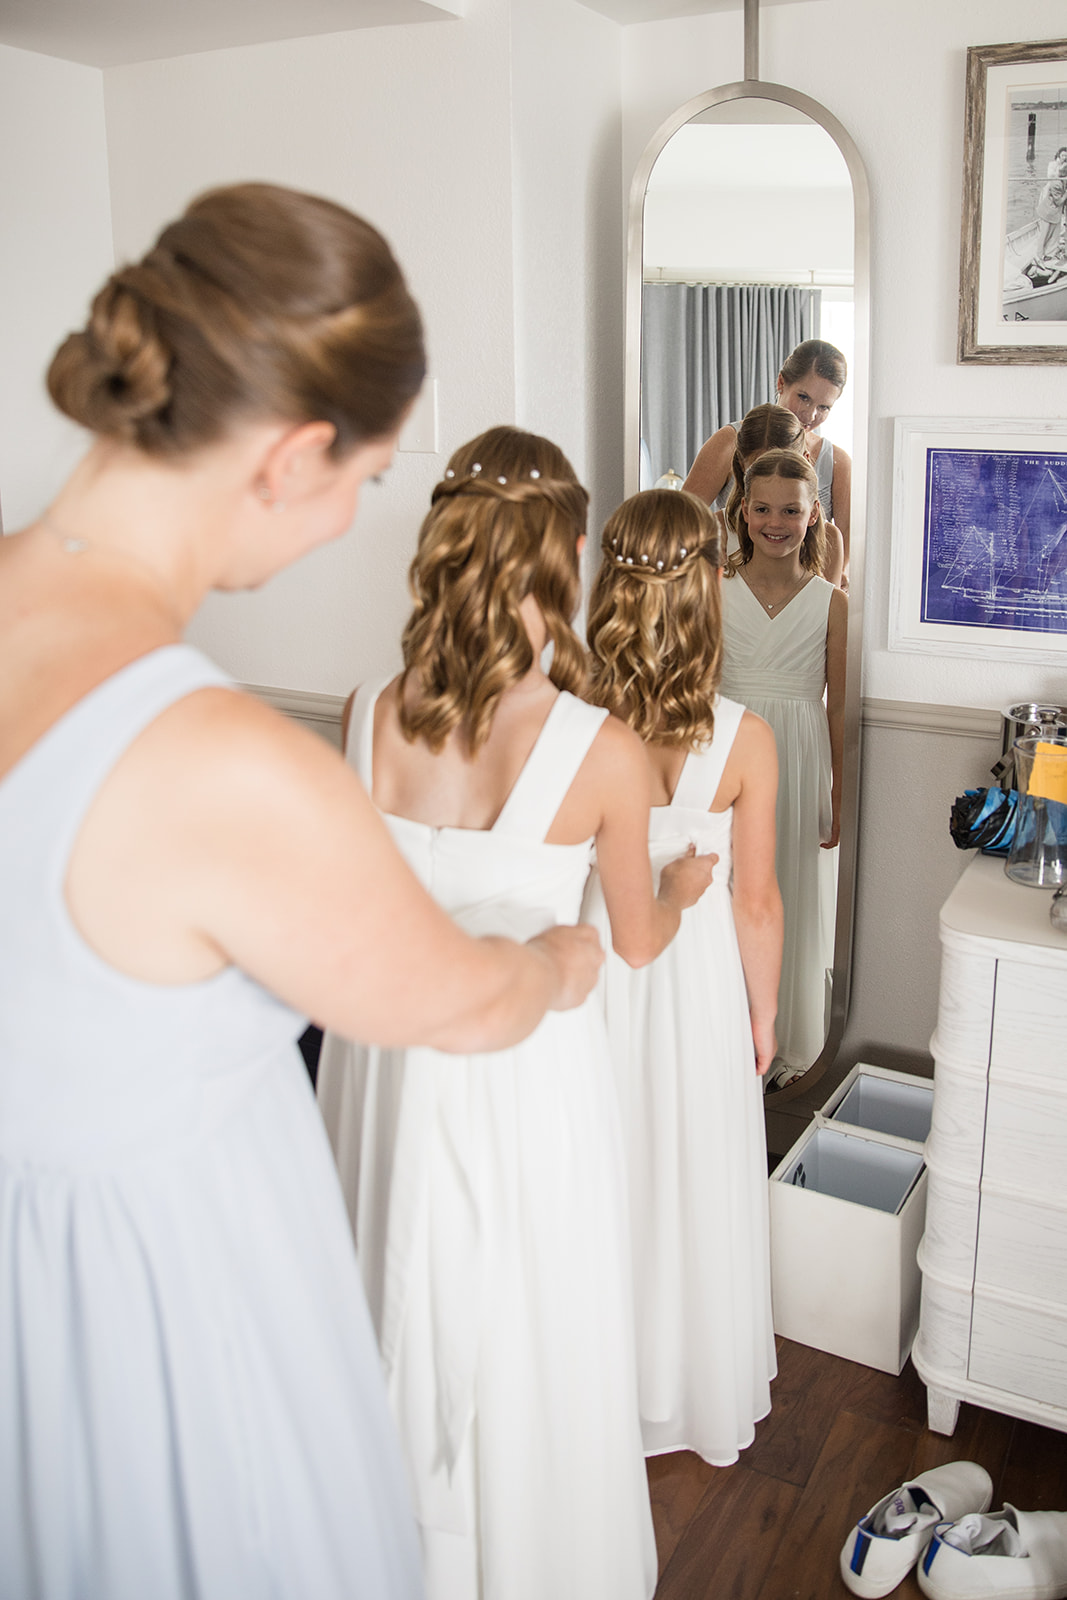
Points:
(784, 464)
(655, 618)
(504, 524)
(259, 302)
(769, 427)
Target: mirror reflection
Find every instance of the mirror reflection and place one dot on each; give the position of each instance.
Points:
(747, 319)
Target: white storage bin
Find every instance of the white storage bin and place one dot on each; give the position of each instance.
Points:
(846, 1215)
(882, 1101)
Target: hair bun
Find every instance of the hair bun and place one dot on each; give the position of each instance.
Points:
(116, 373)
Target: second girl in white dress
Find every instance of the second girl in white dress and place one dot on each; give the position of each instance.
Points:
(691, 1033)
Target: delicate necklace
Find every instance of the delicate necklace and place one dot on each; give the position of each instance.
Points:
(771, 606)
(75, 545)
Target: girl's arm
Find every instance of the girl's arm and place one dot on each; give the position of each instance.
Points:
(714, 463)
(757, 902)
(643, 923)
(836, 640)
(841, 493)
(228, 835)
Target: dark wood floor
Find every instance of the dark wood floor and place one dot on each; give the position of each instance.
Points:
(839, 1436)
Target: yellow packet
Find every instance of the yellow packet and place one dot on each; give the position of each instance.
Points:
(1048, 779)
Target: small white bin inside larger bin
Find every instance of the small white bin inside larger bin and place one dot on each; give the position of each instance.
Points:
(892, 1103)
(847, 1214)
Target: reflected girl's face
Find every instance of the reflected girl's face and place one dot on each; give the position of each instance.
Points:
(810, 399)
(779, 512)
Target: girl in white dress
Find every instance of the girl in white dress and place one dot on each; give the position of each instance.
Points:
(691, 1033)
(487, 1192)
(191, 1404)
(784, 633)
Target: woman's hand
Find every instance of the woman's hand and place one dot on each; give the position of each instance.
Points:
(683, 881)
(576, 956)
(764, 1040)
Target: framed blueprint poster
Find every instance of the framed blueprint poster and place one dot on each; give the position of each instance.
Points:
(979, 559)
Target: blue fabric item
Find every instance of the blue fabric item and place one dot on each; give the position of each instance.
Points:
(859, 1554)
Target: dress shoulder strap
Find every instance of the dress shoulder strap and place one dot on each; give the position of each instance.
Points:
(56, 781)
(359, 740)
(551, 767)
(703, 769)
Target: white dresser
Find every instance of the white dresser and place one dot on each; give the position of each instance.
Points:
(993, 1324)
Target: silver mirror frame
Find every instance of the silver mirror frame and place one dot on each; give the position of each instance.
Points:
(747, 89)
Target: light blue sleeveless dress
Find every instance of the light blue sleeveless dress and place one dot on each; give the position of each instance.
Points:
(488, 1198)
(190, 1401)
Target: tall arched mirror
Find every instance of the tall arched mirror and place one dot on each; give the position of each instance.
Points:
(748, 236)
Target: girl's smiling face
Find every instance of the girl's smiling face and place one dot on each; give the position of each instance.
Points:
(779, 512)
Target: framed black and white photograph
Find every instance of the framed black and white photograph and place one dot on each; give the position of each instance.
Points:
(1013, 259)
(979, 559)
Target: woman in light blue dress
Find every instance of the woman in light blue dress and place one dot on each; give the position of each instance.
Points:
(191, 1406)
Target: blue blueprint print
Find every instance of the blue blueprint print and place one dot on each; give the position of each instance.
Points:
(995, 539)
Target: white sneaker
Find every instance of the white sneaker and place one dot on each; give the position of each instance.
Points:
(1007, 1555)
(886, 1543)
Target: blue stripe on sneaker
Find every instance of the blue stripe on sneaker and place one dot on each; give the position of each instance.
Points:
(935, 1545)
(859, 1554)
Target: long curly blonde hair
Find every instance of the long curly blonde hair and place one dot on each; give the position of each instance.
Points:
(504, 524)
(655, 619)
(783, 464)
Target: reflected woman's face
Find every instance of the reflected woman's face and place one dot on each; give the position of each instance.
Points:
(810, 399)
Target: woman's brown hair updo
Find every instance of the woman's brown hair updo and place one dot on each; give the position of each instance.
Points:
(504, 523)
(655, 621)
(258, 302)
(818, 356)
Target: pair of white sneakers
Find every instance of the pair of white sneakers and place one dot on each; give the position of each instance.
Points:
(941, 1520)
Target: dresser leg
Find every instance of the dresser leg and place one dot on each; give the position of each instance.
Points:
(942, 1411)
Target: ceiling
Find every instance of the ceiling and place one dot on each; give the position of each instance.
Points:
(110, 33)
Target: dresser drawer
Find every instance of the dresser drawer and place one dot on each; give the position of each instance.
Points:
(1022, 1247)
(1026, 1141)
(1019, 1349)
(1030, 1023)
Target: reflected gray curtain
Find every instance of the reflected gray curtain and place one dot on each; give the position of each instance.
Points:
(709, 353)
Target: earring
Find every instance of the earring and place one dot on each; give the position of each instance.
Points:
(263, 491)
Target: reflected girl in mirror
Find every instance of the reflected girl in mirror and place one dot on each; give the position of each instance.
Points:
(687, 1032)
(772, 427)
(784, 631)
(810, 382)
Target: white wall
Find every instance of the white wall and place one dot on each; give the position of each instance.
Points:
(409, 126)
(491, 163)
(55, 222)
(565, 73)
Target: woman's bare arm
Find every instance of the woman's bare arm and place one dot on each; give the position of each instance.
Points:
(756, 899)
(834, 565)
(228, 835)
(841, 493)
(711, 470)
(642, 923)
(836, 644)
